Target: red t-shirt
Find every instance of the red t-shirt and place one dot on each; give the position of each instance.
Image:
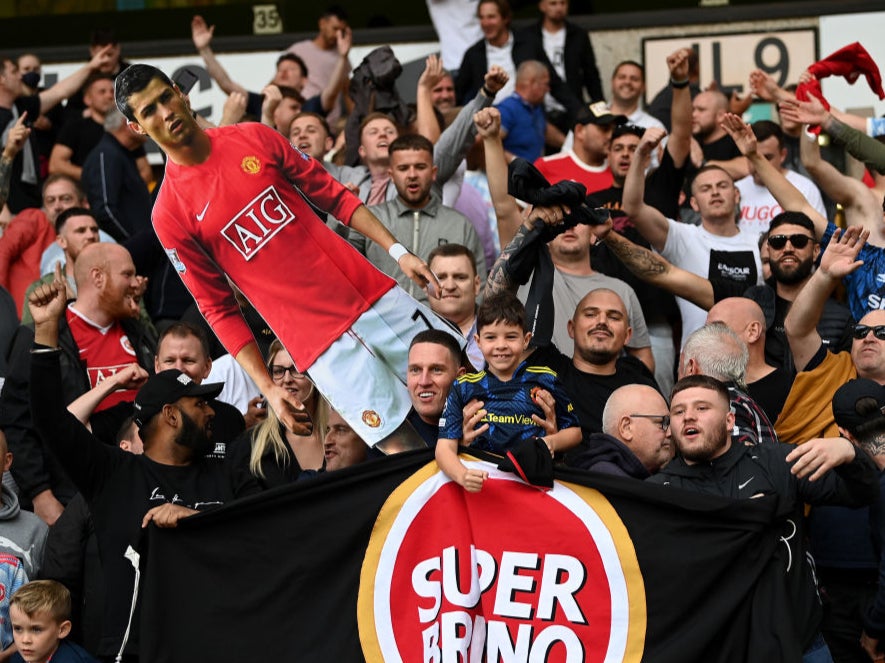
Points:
(566, 166)
(240, 213)
(104, 351)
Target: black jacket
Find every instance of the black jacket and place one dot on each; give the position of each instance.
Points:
(744, 472)
(581, 72)
(34, 468)
(604, 453)
(474, 66)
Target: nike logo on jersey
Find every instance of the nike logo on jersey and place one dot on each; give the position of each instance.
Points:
(743, 485)
(203, 213)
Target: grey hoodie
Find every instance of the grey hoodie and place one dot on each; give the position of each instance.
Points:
(21, 532)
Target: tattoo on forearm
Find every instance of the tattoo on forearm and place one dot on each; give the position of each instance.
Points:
(639, 260)
(498, 280)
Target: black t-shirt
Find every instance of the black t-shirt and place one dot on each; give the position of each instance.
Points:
(588, 391)
(770, 392)
(81, 135)
(721, 149)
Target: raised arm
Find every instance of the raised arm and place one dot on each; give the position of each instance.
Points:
(201, 34)
(458, 137)
(861, 207)
(488, 124)
(656, 270)
(679, 144)
(837, 262)
(128, 377)
(338, 79)
(67, 86)
(426, 123)
(650, 222)
(764, 87)
(787, 196)
(14, 144)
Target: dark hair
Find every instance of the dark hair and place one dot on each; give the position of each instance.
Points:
(103, 37)
(874, 424)
(293, 58)
(625, 129)
(452, 250)
(703, 382)
(184, 330)
(765, 129)
(792, 218)
(322, 120)
(134, 79)
(632, 63)
(337, 11)
(501, 307)
(287, 92)
(123, 431)
(439, 337)
(411, 142)
(502, 5)
(62, 218)
(97, 76)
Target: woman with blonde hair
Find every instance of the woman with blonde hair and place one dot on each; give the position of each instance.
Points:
(276, 456)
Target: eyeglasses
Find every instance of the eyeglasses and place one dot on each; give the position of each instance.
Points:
(664, 422)
(861, 331)
(277, 372)
(777, 242)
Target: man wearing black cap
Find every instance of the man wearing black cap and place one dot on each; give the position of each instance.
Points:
(586, 161)
(125, 492)
(858, 411)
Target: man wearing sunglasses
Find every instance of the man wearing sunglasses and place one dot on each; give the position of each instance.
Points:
(635, 438)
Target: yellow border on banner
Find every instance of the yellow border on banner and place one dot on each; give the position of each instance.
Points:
(637, 616)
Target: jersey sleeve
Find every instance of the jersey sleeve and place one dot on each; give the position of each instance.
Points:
(451, 423)
(311, 179)
(202, 277)
(565, 410)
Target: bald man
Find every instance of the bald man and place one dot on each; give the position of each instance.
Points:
(766, 384)
(635, 438)
(523, 123)
(99, 335)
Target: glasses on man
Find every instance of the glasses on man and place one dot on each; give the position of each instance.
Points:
(777, 242)
(663, 420)
(277, 372)
(861, 331)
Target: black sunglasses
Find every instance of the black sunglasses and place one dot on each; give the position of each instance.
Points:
(778, 242)
(861, 331)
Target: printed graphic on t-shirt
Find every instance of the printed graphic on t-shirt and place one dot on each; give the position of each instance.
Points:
(258, 222)
(737, 266)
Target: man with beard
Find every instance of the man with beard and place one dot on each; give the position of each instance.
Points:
(417, 214)
(172, 479)
(710, 462)
(100, 336)
(600, 330)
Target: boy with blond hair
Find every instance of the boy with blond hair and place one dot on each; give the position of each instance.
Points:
(40, 613)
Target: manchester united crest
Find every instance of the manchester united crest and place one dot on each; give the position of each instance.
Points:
(371, 418)
(251, 165)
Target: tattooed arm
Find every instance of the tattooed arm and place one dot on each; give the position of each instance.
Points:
(654, 269)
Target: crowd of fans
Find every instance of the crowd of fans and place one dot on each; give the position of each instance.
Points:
(697, 318)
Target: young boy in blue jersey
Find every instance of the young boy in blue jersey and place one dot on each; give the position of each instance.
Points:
(509, 389)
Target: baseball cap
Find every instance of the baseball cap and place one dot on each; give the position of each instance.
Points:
(167, 387)
(845, 410)
(598, 113)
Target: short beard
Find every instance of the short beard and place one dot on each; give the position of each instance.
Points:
(597, 357)
(709, 449)
(193, 437)
(802, 272)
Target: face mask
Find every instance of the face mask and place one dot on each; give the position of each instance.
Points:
(31, 79)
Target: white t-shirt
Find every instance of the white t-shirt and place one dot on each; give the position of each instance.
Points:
(695, 249)
(758, 206)
(503, 57)
(239, 388)
(569, 289)
(457, 28)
